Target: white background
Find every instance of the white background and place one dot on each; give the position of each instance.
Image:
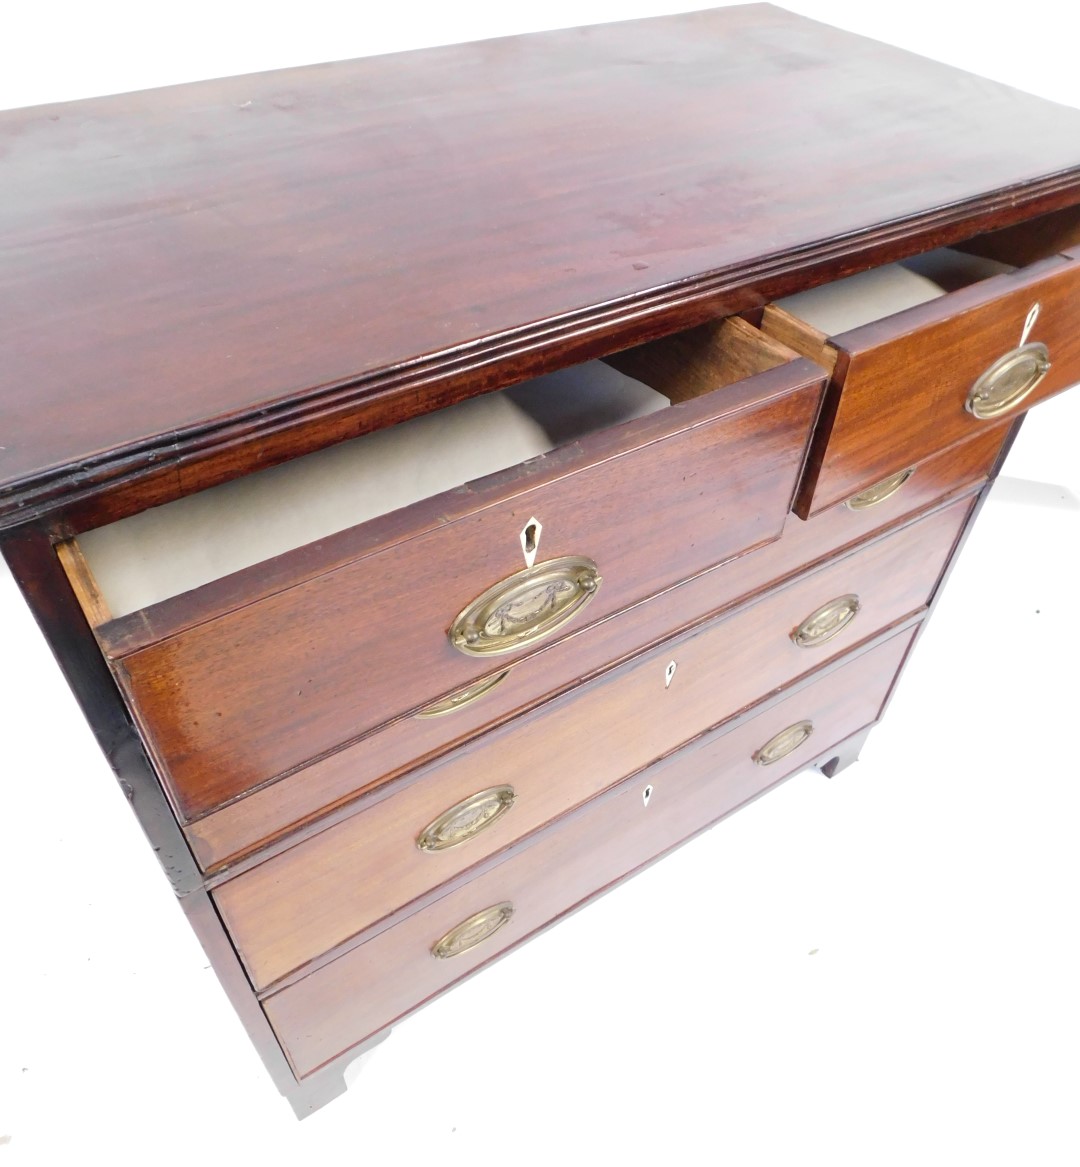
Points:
(683, 1018)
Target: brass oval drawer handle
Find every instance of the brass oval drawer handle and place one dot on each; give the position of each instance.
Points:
(473, 931)
(879, 492)
(525, 607)
(1008, 381)
(466, 819)
(826, 622)
(787, 741)
(463, 697)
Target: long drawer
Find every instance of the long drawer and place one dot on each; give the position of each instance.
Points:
(345, 1002)
(257, 673)
(298, 905)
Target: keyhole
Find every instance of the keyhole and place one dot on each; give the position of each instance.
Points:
(646, 794)
(669, 673)
(530, 540)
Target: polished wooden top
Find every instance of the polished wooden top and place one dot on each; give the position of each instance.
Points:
(188, 268)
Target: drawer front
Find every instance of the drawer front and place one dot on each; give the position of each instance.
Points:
(906, 387)
(263, 815)
(342, 1004)
(965, 464)
(230, 701)
(300, 904)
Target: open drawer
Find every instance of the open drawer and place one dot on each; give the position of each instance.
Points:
(246, 677)
(924, 377)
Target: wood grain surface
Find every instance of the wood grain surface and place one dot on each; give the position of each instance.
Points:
(898, 391)
(325, 1013)
(235, 701)
(250, 267)
(315, 896)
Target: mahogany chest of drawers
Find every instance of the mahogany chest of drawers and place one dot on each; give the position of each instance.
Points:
(518, 484)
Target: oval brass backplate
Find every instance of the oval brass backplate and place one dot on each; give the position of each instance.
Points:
(473, 931)
(784, 743)
(879, 492)
(466, 819)
(525, 607)
(463, 697)
(826, 622)
(1008, 381)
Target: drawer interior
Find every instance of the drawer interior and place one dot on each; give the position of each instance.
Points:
(1033, 239)
(148, 557)
(805, 320)
(163, 552)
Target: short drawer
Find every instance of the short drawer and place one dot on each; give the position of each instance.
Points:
(340, 1005)
(298, 905)
(919, 380)
(258, 673)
